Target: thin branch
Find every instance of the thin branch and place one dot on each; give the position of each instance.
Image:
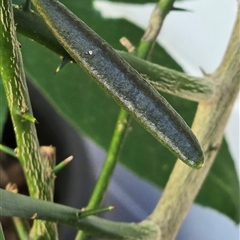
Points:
(109, 164)
(31, 25)
(184, 183)
(7, 150)
(21, 227)
(2, 237)
(15, 87)
(162, 8)
(171, 81)
(13, 204)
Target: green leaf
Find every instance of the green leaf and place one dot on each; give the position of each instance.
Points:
(3, 108)
(93, 113)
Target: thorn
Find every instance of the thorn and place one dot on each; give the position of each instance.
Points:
(110, 208)
(86, 212)
(181, 9)
(29, 117)
(203, 72)
(62, 164)
(62, 64)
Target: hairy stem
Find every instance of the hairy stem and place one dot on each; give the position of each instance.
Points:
(184, 183)
(14, 83)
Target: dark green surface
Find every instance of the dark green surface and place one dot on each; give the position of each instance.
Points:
(81, 101)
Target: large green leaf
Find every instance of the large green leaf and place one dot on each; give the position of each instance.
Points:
(93, 113)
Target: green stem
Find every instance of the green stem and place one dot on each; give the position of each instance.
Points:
(109, 164)
(2, 237)
(21, 228)
(163, 79)
(7, 150)
(111, 160)
(13, 204)
(15, 87)
(159, 13)
(31, 25)
(171, 81)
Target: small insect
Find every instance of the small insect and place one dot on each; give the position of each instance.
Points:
(122, 82)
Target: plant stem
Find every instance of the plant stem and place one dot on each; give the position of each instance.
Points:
(184, 183)
(7, 150)
(14, 83)
(2, 237)
(109, 164)
(171, 81)
(13, 204)
(163, 79)
(162, 8)
(111, 160)
(21, 228)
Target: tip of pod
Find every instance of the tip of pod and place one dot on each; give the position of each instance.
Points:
(195, 164)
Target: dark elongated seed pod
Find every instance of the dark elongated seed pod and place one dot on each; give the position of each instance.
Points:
(121, 81)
